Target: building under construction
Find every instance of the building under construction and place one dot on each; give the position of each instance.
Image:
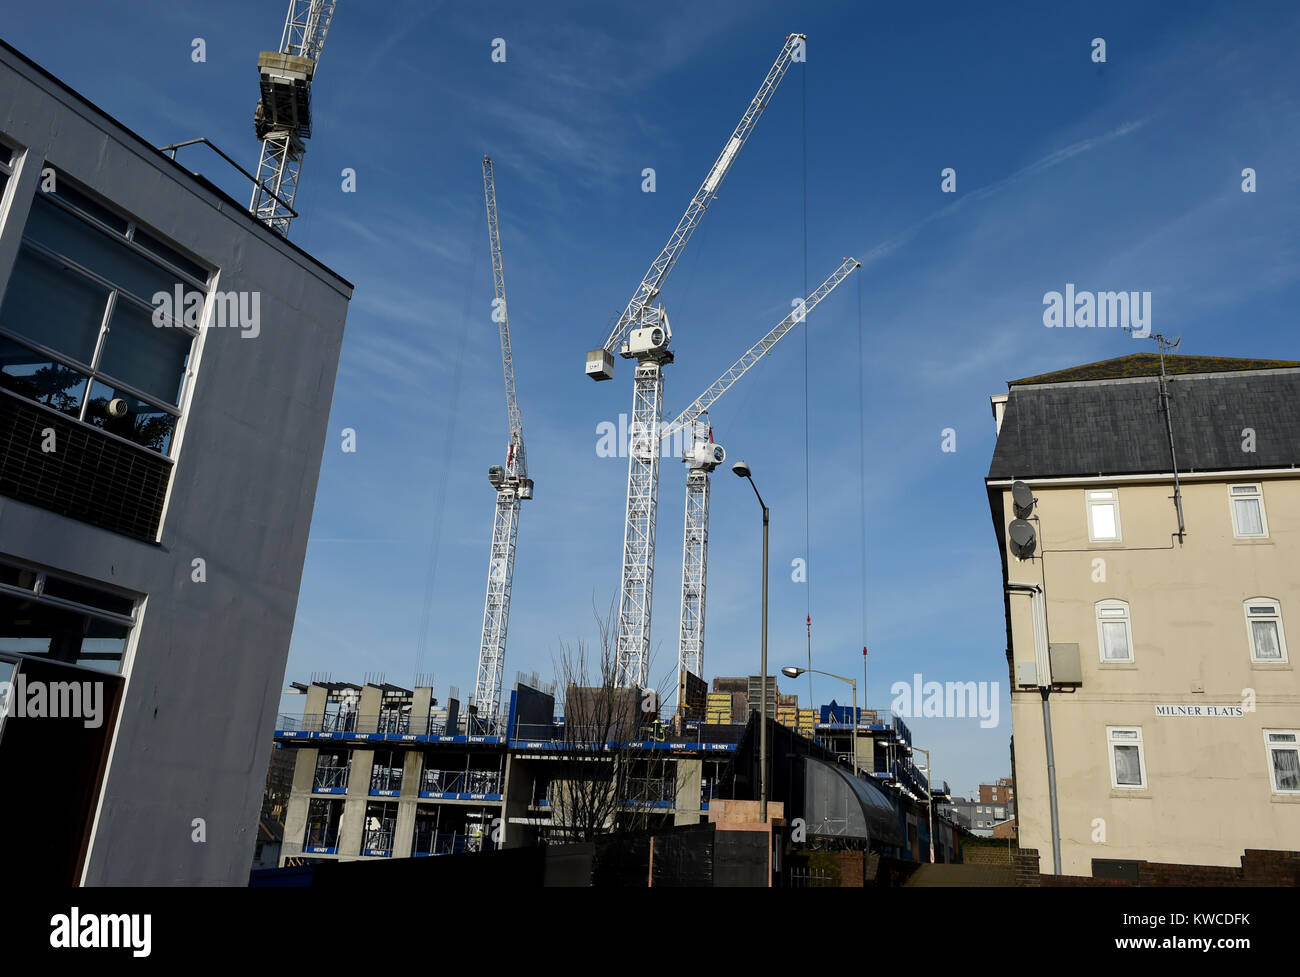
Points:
(387, 772)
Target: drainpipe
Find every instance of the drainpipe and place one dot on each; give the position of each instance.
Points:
(1042, 658)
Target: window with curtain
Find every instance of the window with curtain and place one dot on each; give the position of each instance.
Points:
(1114, 631)
(1127, 767)
(1284, 760)
(1248, 511)
(1264, 628)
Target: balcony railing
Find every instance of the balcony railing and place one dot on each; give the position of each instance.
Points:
(386, 778)
(461, 782)
(450, 843)
(320, 837)
(389, 723)
(378, 840)
(330, 778)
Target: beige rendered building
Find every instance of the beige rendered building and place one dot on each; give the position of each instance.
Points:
(1163, 655)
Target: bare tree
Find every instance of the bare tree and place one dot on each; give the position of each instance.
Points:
(607, 779)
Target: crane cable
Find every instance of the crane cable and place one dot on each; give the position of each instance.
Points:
(807, 456)
(862, 488)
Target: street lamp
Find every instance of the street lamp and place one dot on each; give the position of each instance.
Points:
(929, 794)
(792, 671)
(742, 470)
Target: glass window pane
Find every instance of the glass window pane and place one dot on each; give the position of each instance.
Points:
(35, 376)
(1286, 769)
(1128, 770)
(30, 627)
(107, 257)
(51, 304)
(17, 576)
(1103, 521)
(70, 194)
(1249, 522)
(147, 357)
(170, 255)
(1116, 635)
(143, 423)
(1266, 643)
(90, 596)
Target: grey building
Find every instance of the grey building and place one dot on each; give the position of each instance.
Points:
(166, 370)
(976, 816)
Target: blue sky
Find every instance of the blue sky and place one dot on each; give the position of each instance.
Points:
(1122, 175)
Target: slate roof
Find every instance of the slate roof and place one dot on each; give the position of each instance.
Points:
(1105, 418)
(1148, 365)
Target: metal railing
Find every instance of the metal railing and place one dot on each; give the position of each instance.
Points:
(450, 843)
(330, 778)
(393, 723)
(386, 778)
(378, 839)
(606, 736)
(461, 781)
(801, 877)
(321, 837)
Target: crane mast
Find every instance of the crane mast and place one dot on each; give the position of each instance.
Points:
(283, 118)
(644, 333)
(702, 456)
(512, 486)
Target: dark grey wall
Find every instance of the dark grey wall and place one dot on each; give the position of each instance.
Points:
(204, 674)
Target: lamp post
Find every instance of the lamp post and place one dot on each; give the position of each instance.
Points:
(929, 795)
(742, 470)
(792, 671)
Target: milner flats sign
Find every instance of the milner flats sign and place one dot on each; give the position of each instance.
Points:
(1202, 712)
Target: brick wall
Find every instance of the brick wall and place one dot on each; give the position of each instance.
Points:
(1258, 867)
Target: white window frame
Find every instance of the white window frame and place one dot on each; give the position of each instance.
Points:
(1257, 494)
(1276, 615)
(1105, 612)
(1270, 746)
(1112, 742)
(1094, 499)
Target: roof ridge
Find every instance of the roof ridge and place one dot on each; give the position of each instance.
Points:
(1134, 365)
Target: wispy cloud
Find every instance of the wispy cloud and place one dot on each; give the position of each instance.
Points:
(1047, 162)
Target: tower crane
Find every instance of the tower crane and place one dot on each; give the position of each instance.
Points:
(283, 118)
(512, 486)
(642, 333)
(702, 456)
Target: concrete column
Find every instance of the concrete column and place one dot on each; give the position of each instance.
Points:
(421, 703)
(317, 695)
(690, 780)
(404, 832)
(516, 794)
(295, 815)
(368, 712)
(304, 770)
(352, 824)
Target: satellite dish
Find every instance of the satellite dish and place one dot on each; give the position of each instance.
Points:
(1022, 499)
(1023, 539)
